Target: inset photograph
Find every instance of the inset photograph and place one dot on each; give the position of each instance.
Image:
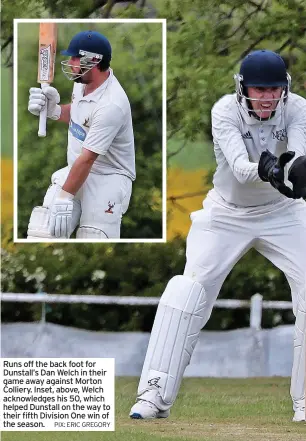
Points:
(89, 147)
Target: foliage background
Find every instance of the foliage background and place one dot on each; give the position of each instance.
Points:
(205, 44)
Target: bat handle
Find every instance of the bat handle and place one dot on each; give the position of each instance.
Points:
(42, 129)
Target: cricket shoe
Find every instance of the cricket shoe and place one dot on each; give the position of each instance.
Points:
(299, 415)
(143, 410)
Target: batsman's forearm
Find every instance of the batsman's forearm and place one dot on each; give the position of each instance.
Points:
(77, 175)
(65, 114)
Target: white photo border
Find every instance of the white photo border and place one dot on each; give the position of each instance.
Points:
(164, 130)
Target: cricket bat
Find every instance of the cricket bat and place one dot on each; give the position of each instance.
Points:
(46, 63)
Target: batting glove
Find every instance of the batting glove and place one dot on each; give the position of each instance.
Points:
(61, 216)
(38, 99)
(297, 175)
(271, 169)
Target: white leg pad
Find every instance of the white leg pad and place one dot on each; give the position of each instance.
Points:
(39, 223)
(90, 233)
(182, 312)
(299, 357)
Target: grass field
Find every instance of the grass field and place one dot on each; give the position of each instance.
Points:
(193, 156)
(206, 410)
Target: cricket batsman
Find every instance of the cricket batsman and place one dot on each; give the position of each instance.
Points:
(259, 136)
(94, 190)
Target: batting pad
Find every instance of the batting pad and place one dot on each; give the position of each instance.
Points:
(299, 354)
(179, 318)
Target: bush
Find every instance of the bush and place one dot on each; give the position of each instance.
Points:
(125, 270)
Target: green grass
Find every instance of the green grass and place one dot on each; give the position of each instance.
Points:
(206, 410)
(192, 156)
(7, 112)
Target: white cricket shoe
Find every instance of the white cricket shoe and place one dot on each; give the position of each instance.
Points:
(145, 410)
(299, 415)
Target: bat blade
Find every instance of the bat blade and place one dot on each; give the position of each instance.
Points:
(46, 63)
(47, 52)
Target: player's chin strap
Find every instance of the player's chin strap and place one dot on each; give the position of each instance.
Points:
(88, 60)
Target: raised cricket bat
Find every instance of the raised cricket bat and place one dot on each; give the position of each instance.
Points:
(46, 63)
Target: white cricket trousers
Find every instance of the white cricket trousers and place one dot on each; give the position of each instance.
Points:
(222, 233)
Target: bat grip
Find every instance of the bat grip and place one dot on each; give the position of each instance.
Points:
(42, 129)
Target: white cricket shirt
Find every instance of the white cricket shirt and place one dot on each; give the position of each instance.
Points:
(102, 122)
(239, 140)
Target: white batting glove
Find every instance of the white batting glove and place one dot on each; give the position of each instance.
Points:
(61, 215)
(37, 101)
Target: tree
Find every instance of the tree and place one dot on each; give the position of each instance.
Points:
(55, 9)
(205, 47)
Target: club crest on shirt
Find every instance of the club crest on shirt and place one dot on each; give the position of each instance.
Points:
(86, 123)
(280, 135)
(110, 208)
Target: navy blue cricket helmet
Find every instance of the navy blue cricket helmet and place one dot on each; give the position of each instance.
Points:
(92, 48)
(263, 68)
(89, 41)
